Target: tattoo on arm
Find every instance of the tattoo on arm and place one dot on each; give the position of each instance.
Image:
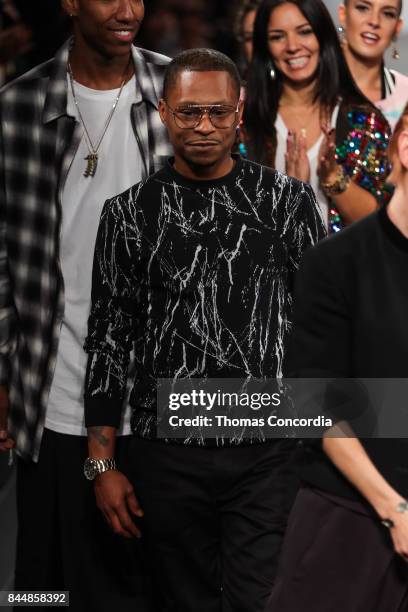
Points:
(96, 432)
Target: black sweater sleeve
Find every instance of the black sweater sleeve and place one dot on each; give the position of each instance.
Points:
(115, 284)
(307, 224)
(321, 341)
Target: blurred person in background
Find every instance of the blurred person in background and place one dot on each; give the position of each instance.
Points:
(50, 26)
(244, 30)
(367, 29)
(346, 546)
(174, 25)
(31, 32)
(15, 37)
(305, 116)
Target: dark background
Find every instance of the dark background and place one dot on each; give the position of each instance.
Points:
(169, 27)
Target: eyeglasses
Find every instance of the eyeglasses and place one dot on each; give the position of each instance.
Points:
(189, 117)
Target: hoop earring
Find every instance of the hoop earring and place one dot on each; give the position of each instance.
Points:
(272, 71)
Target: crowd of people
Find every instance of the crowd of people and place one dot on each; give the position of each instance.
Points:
(200, 218)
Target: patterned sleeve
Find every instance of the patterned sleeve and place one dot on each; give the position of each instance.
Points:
(364, 152)
(308, 226)
(111, 324)
(7, 311)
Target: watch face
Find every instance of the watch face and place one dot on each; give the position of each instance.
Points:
(89, 469)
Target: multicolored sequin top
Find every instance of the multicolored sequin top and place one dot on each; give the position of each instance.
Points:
(362, 153)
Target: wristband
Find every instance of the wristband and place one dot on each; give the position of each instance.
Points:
(340, 184)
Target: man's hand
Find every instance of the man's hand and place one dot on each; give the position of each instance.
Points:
(114, 494)
(5, 441)
(116, 499)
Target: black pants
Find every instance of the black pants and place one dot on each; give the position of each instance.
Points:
(214, 521)
(337, 558)
(63, 542)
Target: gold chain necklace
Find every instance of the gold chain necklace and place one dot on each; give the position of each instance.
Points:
(92, 157)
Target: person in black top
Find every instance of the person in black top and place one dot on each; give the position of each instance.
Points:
(194, 268)
(350, 321)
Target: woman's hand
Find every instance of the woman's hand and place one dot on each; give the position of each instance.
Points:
(399, 532)
(351, 458)
(399, 535)
(297, 161)
(327, 168)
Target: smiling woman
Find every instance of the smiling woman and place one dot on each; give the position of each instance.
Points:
(369, 28)
(305, 116)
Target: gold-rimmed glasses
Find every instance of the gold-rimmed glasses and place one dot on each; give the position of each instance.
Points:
(190, 116)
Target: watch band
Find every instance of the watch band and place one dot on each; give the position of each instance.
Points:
(93, 467)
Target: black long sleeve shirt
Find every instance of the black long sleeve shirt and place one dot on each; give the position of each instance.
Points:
(197, 277)
(351, 321)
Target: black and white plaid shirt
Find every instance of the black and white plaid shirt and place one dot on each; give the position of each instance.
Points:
(38, 142)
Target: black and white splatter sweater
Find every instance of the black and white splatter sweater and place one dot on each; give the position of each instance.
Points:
(197, 277)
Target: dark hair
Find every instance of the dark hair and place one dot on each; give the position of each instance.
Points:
(333, 79)
(200, 60)
(246, 7)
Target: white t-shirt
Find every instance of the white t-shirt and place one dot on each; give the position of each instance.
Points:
(119, 167)
(313, 155)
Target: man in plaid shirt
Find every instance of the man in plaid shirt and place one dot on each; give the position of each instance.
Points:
(74, 131)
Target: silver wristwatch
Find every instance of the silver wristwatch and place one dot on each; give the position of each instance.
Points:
(93, 467)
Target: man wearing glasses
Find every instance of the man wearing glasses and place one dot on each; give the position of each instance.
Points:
(193, 267)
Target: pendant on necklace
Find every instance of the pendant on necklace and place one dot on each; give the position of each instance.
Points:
(92, 160)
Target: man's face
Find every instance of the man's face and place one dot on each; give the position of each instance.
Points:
(205, 144)
(108, 26)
